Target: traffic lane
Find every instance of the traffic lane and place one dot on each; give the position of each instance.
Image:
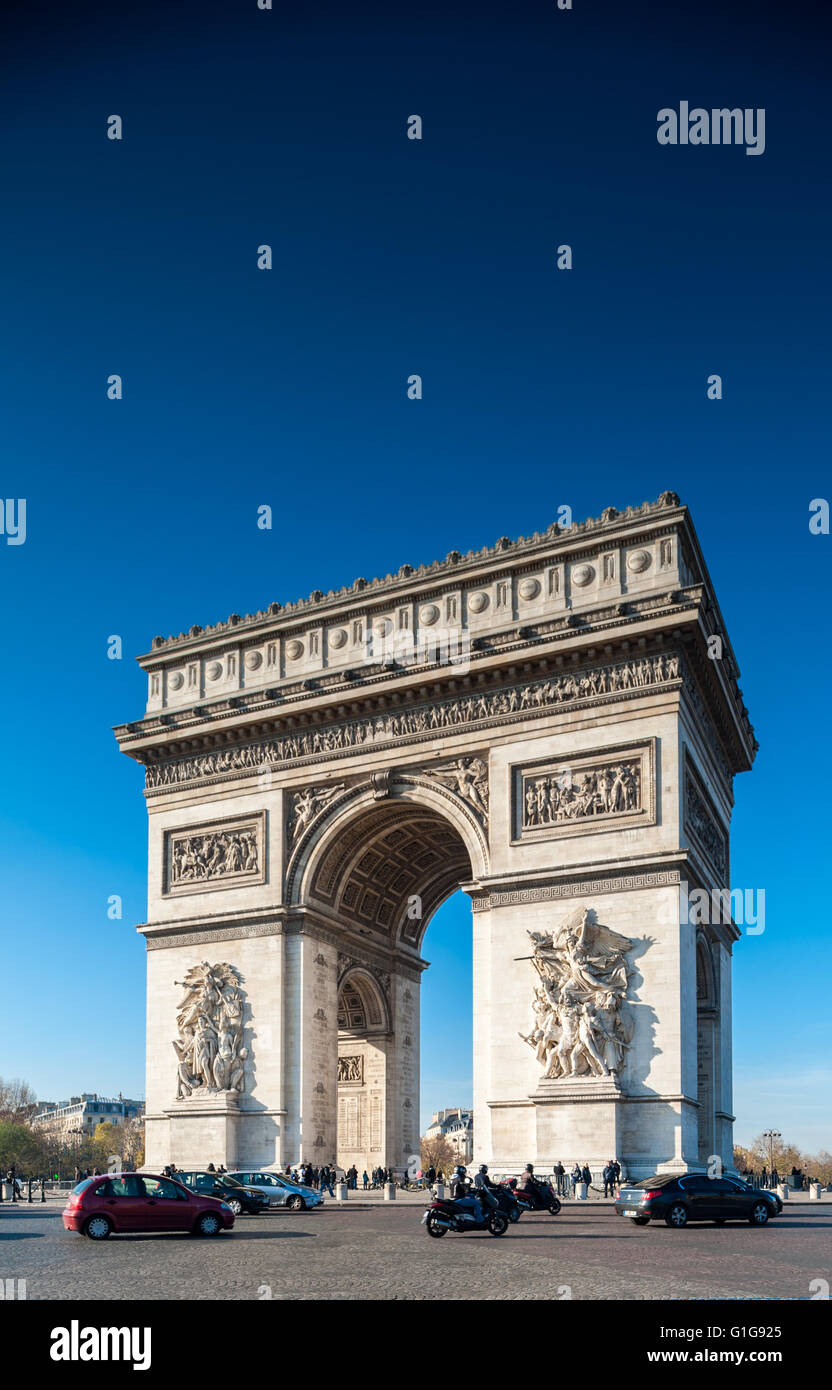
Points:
(385, 1253)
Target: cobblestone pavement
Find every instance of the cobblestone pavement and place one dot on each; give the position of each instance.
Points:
(383, 1252)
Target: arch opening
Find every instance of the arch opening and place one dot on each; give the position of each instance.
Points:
(377, 874)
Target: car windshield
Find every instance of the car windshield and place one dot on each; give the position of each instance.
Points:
(230, 1182)
(82, 1186)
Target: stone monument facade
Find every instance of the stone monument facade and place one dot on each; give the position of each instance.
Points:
(552, 723)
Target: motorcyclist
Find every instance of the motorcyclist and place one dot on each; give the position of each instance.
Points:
(482, 1183)
(460, 1184)
(527, 1180)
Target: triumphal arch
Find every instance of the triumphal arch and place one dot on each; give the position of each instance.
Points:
(552, 724)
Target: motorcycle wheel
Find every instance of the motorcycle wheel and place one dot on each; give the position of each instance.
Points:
(434, 1228)
(497, 1224)
(554, 1206)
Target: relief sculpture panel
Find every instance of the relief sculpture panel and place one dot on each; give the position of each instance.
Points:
(605, 790)
(220, 854)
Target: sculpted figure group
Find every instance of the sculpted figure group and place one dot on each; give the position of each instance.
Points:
(602, 791)
(209, 1048)
(195, 858)
(579, 1027)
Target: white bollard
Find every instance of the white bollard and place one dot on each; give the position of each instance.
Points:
(581, 1191)
(341, 1192)
(783, 1192)
(439, 1190)
(814, 1191)
(389, 1192)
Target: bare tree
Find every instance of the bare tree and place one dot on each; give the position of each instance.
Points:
(438, 1153)
(16, 1099)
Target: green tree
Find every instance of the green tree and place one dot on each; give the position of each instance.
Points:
(19, 1146)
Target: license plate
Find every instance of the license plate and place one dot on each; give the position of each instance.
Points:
(631, 1211)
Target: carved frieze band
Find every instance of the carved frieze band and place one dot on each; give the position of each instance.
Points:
(592, 686)
(197, 937)
(576, 888)
(215, 855)
(610, 788)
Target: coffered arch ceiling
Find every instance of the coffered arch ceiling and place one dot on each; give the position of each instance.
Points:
(386, 873)
(362, 1007)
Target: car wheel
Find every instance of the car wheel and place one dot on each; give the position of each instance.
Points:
(497, 1224)
(236, 1206)
(434, 1228)
(640, 1220)
(296, 1203)
(677, 1216)
(554, 1207)
(98, 1227)
(208, 1224)
(759, 1214)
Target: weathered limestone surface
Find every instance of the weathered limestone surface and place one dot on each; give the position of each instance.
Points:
(553, 723)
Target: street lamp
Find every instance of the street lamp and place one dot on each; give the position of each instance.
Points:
(771, 1135)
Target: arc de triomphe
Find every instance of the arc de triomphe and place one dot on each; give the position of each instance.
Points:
(553, 724)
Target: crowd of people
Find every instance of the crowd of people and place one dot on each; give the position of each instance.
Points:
(324, 1179)
(797, 1179)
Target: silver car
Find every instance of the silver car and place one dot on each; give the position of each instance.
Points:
(280, 1191)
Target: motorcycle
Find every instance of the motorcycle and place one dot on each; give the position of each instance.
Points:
(540, 1197)
(448, 1215)
(507, 1202)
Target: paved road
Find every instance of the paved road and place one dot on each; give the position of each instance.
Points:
(384, 1253)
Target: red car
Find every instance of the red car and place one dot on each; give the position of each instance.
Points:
(142, 1202)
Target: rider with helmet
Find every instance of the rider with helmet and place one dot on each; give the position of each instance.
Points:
(527, 1180)
(482, 1183)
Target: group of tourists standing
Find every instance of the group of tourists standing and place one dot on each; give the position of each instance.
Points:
(581, 1173)
(324, 1179)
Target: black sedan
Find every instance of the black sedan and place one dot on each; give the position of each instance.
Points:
(695, 1197)
(239, 1198)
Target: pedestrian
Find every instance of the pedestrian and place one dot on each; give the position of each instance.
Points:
(560, 1178)
(326, 1180)
(211, 1168)
(365, 1179)
(586, 1176)
(576, 1177)
(609, 1179)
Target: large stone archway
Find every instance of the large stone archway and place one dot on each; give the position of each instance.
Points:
(553, 724)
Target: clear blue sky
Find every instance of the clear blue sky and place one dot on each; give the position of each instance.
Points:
(287, 387)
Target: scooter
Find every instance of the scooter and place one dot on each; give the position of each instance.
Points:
(448, 1215)
(540, 1197)
(507, 1202)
